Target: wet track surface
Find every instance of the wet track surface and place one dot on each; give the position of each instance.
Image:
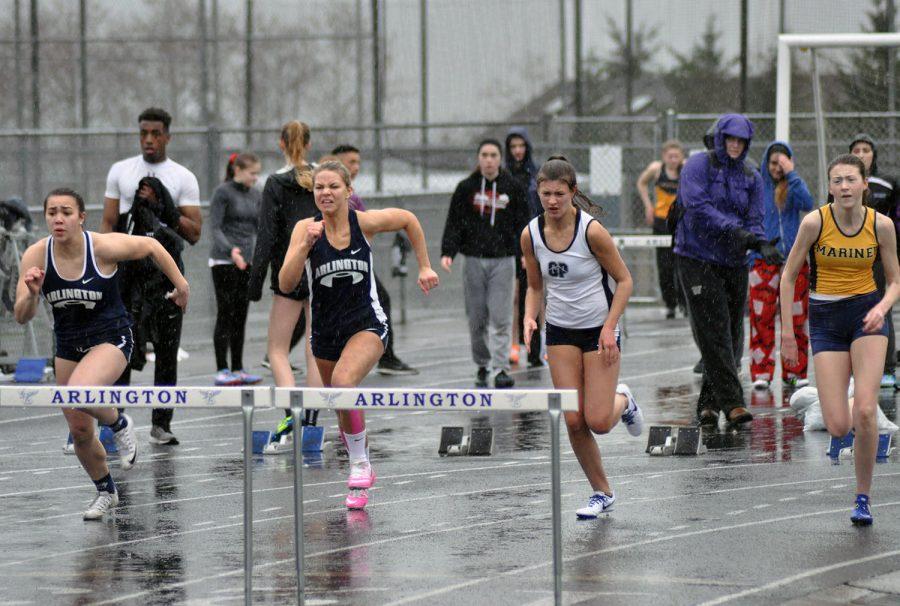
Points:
(762, 517)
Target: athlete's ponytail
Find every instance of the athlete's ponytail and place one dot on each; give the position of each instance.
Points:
(295, 137)
(558, 168)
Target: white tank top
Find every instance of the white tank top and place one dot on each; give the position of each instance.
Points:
(579, 291)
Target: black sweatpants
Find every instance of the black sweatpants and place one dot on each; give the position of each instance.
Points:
(716, 297)
(385, 300)
(534, 356)
(665, 268)
(230, 284)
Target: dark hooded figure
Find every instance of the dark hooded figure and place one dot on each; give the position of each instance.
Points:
(883, 194)
(520, 164)
(722, 197)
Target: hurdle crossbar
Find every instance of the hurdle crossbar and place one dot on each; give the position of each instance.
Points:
(554, 402)
(247, 399)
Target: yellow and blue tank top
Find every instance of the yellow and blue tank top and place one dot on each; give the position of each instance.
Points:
(666, 189)
(841, 264)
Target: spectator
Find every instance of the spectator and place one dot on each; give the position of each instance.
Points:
(487, 213)
(722, 198)
(785, 198)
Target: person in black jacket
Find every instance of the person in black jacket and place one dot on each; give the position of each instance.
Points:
(287, 198)
(488, 211)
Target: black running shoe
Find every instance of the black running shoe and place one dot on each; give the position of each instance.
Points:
(481, 377)
(503, 380)
(698, 367)
(395, 366)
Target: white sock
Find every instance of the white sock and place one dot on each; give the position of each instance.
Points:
(356, 446)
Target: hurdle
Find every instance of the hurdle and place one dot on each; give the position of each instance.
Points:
(247, 399)
(554, 402)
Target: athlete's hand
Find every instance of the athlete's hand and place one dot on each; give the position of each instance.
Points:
(314, 231)
(874, 320)
(786, 164)
(34, 279)
(238, 258)
(789, 351)
(608, 346)
(447, 263)
(428, 279)
(180, 295)
(528, 328)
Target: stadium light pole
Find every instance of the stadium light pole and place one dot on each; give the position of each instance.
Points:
(35, 67)
(743, 83)
(376, 90)
(423, 65)
(562, 45)
(20, 97)
(248, 72)
(83, 59)
(579, 104)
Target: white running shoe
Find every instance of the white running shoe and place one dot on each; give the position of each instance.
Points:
(600, 502)
(761, 384)
(103, 503)
(632, 417)
(126, 443)
(361, 475)
(160, 436)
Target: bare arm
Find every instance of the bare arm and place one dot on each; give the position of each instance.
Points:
(189, 223)
(534, 295)
(650, 173)
(607, 254)
(395, 219)
(303, 236)
(110, 215)
(31, 278)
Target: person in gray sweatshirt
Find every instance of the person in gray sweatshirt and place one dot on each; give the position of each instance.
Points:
(233, 218)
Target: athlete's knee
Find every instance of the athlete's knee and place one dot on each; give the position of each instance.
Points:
(838, 427)
(575, 422)
(865, 413)
(341, 378)
(601, 424)
(82, 431)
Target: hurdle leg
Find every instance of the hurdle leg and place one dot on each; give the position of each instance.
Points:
(555, 496)
(297, 412)
(247, 408)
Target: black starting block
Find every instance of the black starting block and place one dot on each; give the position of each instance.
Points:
(455, 442)
(667, 440)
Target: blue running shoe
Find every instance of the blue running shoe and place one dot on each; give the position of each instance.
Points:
(246, 378)
(861, 515)
(600, 502)
(888, 381)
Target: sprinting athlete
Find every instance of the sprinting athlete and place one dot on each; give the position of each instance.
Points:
(571, 256)
(847, 312)
(75, 271)
(349, 327)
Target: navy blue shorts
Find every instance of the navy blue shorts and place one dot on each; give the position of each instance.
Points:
(76, 349)
(329, 347)
(834, 325)
(586, 339)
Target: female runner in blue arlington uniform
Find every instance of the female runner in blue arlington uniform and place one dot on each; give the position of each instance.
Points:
(349, 327)
(92, 327)
(571, 256)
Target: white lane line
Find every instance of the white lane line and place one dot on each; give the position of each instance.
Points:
(208, 523)
(511, 463)
(220, 445)
(786, 499)
(42, 473)
(308, 501)
(195, 448)
(6, 478)
(736, 512)
(34, 418)
(682, 527)
(437, 475)
(205, 480)
(268, 509)
(337, 496)
(403, 482)
(815, 492)
(762, 506)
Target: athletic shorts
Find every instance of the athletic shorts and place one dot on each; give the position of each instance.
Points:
(586, 339)
(301, 293)
(834, 325)
(329, 346)
(76, 349)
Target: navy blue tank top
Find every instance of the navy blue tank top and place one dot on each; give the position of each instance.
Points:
(88, 305)
(343, 297)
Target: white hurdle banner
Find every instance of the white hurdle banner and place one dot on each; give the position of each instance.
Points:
(641, 241)
(554, 402)
(246, 399)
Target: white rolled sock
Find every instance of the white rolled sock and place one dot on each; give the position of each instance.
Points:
(356, 446)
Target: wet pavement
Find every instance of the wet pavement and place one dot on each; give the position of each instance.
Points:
(762, 517)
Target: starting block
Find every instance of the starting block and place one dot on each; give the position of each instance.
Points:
(106, 438)
(839, 448)
(454, 442)
(666, 440)
(312, 436)
(30, 370)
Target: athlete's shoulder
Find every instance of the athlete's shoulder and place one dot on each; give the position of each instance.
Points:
(35, 254)
(125, 163)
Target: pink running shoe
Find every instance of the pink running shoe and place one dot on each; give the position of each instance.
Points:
(361, 475)
(357, 499)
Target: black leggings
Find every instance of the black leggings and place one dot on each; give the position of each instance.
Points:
(231, 316)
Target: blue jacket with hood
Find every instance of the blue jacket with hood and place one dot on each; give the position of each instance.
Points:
(720, 198)
(783, 224)
(525, 171)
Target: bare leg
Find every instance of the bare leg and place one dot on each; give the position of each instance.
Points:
(282, 320)
(867, 377)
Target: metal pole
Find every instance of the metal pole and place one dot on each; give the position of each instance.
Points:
(579, 106)
(555, 409)
(743, 100)
(297, 414)
(35, 67)
(82, 55)
(204, 63)
(360, 107)
(248, 72)
(214, 26)
(820, 125)
(247, 403)
(783, 92)
(562, 44)
(423, 64)
(20, 91)
(781, 16)
(670, 124)
(376, 91)
(629, 57)
(891, 13)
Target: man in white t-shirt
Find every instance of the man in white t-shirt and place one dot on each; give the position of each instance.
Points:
(162, 319)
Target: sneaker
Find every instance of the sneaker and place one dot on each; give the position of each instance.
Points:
(795, 382)
(739, 415)
(514, 354)
(103, 503)
(226, 377)
(126, 444)
(708, 418)
(670, 314)
(761, 384)
(861, 515)
(698, 367)
(361, 475)
(888, 381)
(158, 435)
(357, 499)
(481, 377)
(245, 378)
(503, 380)
(599, 502)
(395, 366)
(632, 417)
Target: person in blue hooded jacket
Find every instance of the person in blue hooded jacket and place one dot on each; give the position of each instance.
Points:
(722, 201)
(785, 198)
